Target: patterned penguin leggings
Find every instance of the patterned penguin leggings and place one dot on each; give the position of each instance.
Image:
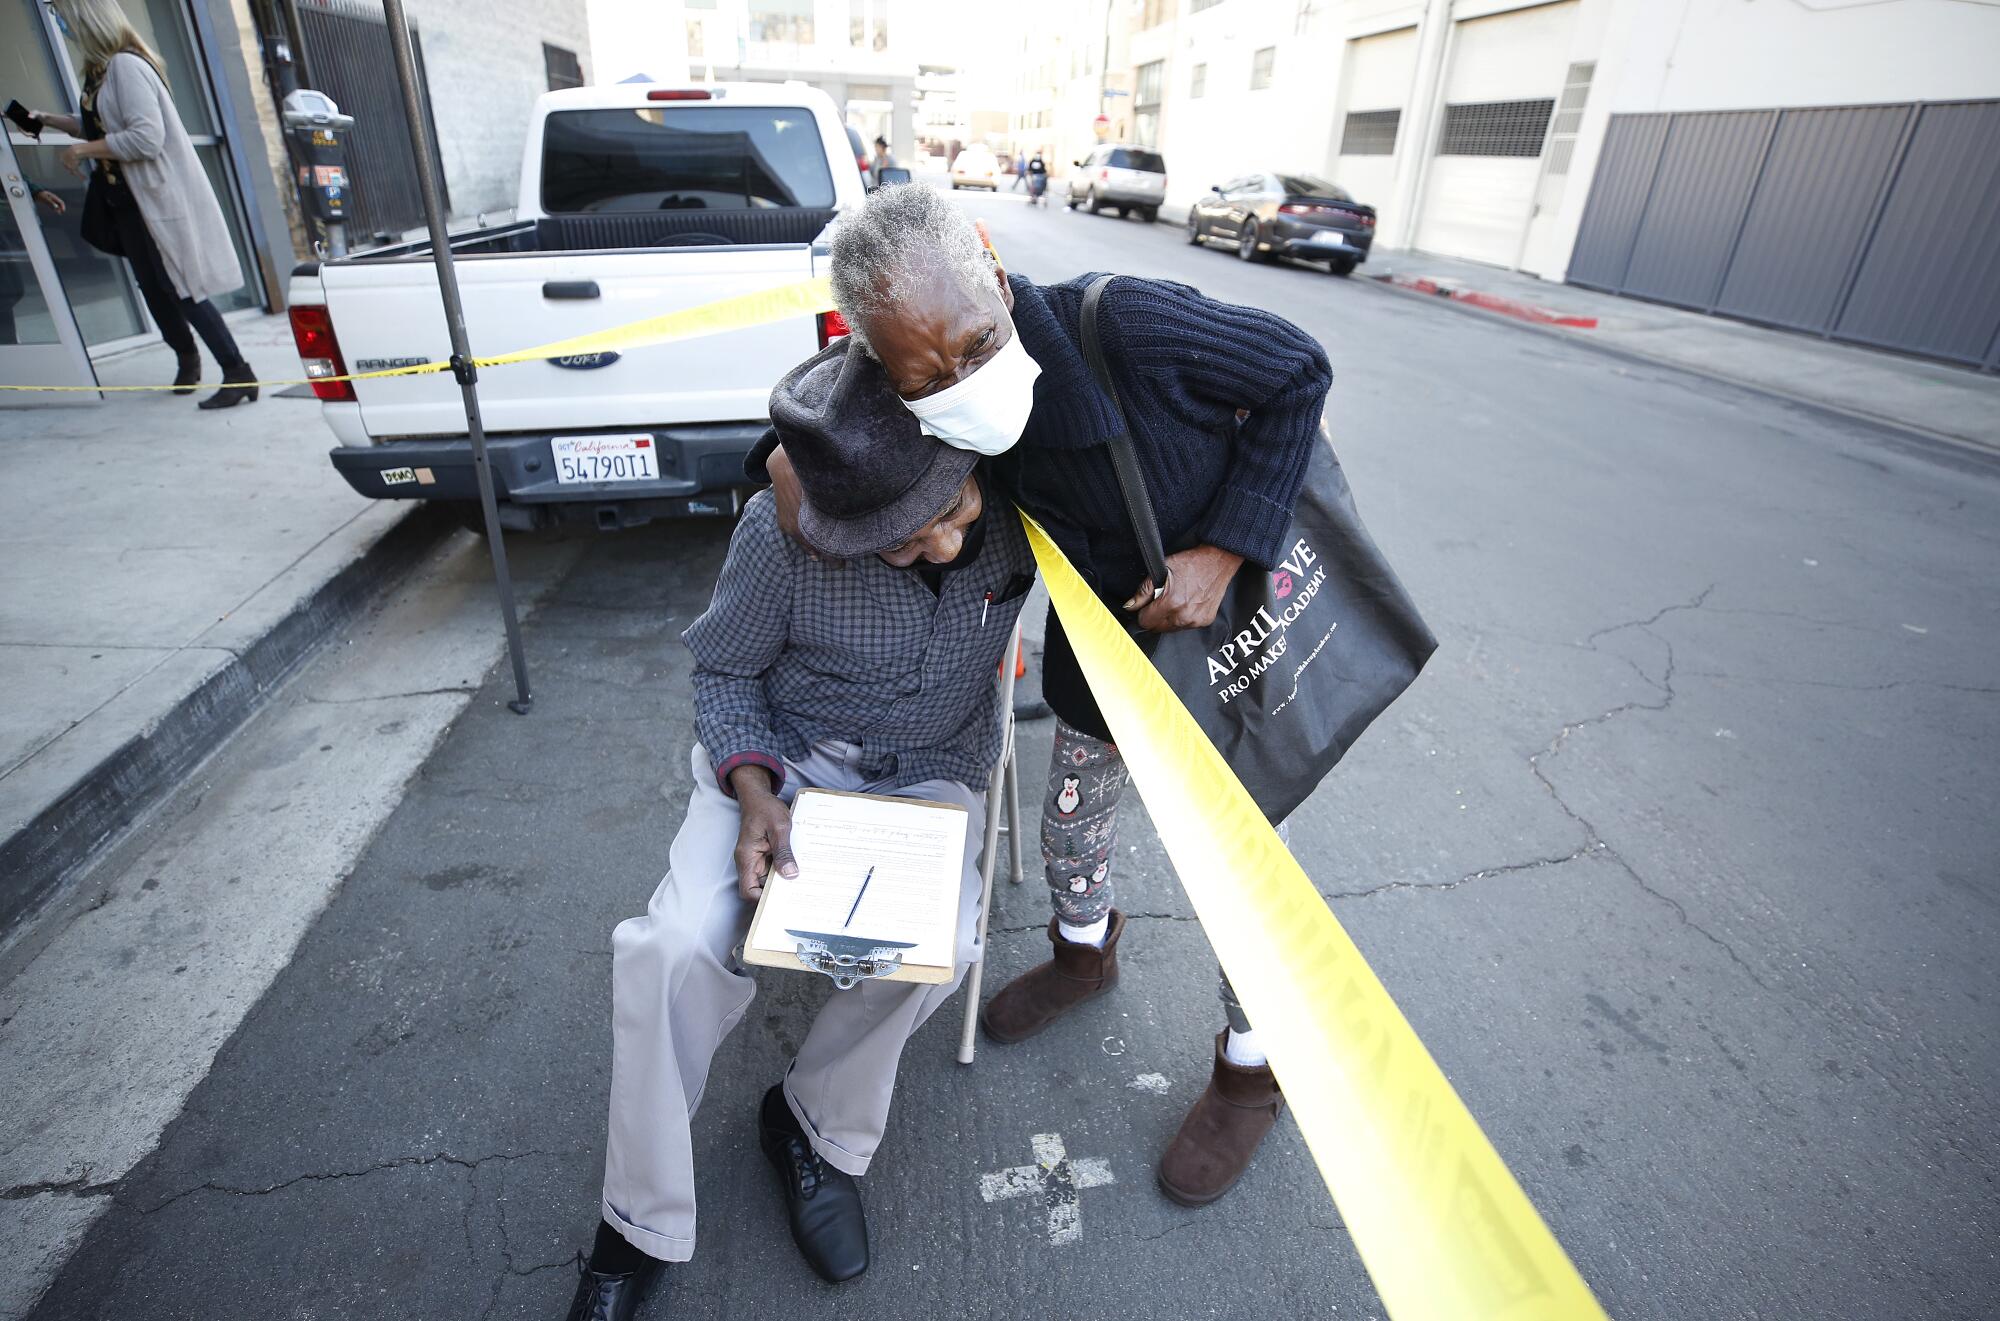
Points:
(1080, 831)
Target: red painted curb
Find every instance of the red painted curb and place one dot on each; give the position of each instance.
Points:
(1512, 307)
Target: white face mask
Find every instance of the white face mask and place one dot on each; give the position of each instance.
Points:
(987, 411)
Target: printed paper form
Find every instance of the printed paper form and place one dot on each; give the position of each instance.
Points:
(917, 851)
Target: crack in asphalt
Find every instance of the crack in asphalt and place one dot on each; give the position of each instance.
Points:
(80, 1186)
(401, 1162)
(1593, 840)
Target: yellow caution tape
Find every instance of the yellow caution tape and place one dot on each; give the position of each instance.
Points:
(752, 309)
(1444, 1230)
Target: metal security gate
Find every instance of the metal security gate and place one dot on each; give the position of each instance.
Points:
(351, 60)
(1872, 224)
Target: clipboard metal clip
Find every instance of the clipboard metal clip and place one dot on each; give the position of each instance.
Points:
(848, 960)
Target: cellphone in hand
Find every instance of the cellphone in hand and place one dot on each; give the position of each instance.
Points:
(26, 122)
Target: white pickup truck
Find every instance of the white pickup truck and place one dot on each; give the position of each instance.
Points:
(636, 200)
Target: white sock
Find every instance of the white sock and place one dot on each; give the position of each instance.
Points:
(1242, 1050)
(1089, 935)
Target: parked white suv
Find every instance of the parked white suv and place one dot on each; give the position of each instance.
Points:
(1129, 180)
(636, 200)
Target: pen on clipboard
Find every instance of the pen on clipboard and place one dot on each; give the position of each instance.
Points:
(857, 897)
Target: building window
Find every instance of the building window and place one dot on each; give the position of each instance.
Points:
(1495, 128)
(562, 67)
(1260, 68)
(1154, 13)
(1196, 6)
(1569, 117)
(1146, 103)
(1198, 81)
(1370, 132)
(782, 20)
(697, 43)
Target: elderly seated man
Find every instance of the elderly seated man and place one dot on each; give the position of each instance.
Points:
(872, 672)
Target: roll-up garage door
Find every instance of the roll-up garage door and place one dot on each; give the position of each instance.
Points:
(1376, 87)
(1501, 84)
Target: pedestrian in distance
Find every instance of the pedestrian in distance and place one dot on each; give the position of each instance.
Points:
(884, 159)
(1038, 180)
(148, 199)
(872, 674)
(1226, 399)
(1020, 169)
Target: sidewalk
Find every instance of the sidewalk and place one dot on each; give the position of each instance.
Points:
(160, 568)
(1913, 394)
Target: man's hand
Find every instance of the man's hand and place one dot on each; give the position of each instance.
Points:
(764, 838)
(50, 200)
(1196, 580)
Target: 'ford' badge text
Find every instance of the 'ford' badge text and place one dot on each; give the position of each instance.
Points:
(583, 362)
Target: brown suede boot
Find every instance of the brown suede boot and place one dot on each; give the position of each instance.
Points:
(1221, 1133)
(1041, 995)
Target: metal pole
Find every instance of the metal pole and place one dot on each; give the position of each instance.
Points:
(461, 352)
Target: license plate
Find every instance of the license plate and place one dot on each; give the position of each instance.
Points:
(1327, 238)
(604, 459)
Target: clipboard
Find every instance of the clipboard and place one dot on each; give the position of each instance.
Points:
(850, 954)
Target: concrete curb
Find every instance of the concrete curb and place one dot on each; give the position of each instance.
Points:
(69, 832)
(1920, 435)
(1512, 307)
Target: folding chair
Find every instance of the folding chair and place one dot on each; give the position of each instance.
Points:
(1003, 790)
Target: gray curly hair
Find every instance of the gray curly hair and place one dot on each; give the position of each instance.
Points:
(899, 232)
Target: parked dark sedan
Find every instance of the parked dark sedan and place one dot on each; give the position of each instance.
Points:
(1289, 215)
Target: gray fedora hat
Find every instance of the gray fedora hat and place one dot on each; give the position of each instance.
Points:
(871, 478)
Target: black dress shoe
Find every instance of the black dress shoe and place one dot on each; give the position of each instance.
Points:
(823, 1203)
(235, 388)
(602, 1297)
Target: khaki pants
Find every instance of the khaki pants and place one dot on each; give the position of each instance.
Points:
(677, 989)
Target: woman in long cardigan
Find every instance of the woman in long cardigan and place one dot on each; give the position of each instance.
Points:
(156, 206)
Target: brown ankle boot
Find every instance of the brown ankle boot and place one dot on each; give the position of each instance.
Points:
(1041, 995)
(1221, 1133)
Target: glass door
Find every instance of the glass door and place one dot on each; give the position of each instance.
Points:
(39, 340)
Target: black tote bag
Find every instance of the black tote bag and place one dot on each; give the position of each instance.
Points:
(1299, 660)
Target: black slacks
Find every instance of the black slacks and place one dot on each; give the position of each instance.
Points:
(172, 313)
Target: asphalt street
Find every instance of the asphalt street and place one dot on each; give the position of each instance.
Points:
(1680, 857)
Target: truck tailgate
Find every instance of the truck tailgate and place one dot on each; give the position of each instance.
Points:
(389, 313)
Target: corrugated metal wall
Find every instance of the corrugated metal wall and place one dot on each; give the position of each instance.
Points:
(1703, 185)
(1872, 223)
(1820, 190)
(1618, 196)
(1931, 279)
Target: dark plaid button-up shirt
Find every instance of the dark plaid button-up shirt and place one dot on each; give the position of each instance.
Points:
(792, 651)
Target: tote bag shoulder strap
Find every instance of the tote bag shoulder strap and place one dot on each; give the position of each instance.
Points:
(1124, 456)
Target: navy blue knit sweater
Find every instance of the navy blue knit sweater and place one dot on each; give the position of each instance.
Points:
(1184, 364)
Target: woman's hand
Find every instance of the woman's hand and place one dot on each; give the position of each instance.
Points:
(50, 200)
(1196, 581)
(73, 156)
(764, 836)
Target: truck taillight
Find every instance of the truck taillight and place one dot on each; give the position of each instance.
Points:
(680, 94)
(319, 352)
(1368, 222)
(1294, 209)
(832, 325)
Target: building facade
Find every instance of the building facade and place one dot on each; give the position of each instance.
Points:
(856, 51)
(1825, 165)
(227, 64)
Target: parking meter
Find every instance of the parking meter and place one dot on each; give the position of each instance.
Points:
(317, 130)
